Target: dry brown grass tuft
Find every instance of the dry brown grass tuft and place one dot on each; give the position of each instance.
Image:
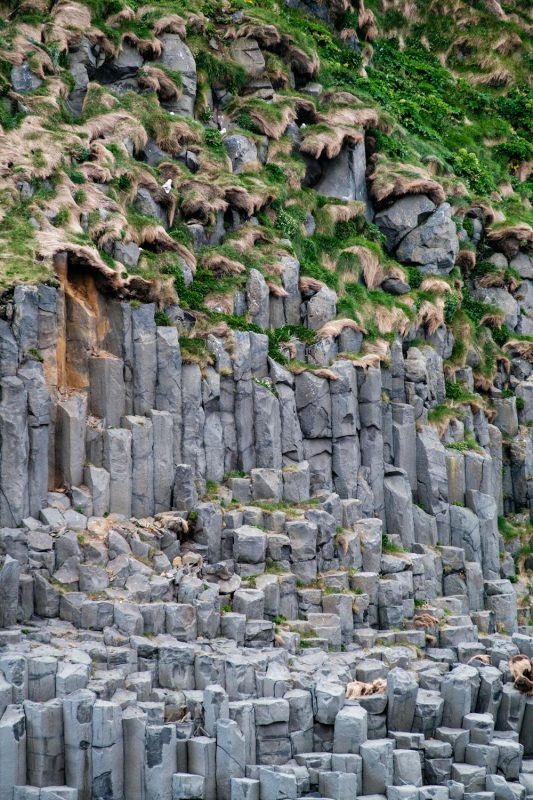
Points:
(336, 326)
(389, 320)
(521, 668)
(268, 36)
(349, 115)
(373, 273)
(495, 319)
(115, 126)
(492, 279)
(274, 128)
(466, 260)
(33, 149)
(435, 285)
(425, 620)
(310, 286)
(327, 374)
(158, 81)
(52, 241)
(335, 212)
(202, 201)
(70, 20)
(96, 172)
(148, 48)
(223, 303)
(170, 23)
(431, 315)
(173, 136)
(391, 181)
(366, 24)
(339, 7)
(276, 290)
(511, 238)
(495, 8)
(126, 14)
(104, 44)
(507, 43)
(222, 265)
(483, 383)
(378, 347)
(246, 239)
(26, 6)
(247, 201)
(22, 48)
(524, 349)
(407, 8)
(497, 78)
(356, 689)
(328, 142)
(368, 360)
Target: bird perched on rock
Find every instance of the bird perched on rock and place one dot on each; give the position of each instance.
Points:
(167, 186)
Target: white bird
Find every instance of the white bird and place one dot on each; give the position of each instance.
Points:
(167, 187)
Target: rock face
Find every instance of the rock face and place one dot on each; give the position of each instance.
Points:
(402, 217)
(246, 51)
(178, 57)
(433, 246)
(344, 176)
(250, 549)
(241, 150)
(322, 622)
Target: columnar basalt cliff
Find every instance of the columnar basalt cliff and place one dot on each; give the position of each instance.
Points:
(266, 394)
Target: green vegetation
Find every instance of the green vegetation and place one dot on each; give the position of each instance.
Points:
(508, 530)
(468, 443)
(445, 96)
(388, 546)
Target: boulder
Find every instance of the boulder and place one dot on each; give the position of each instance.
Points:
(240, 150)
(503, 300)
(402, 217)
(23, 80)
(246, 52)
(433, 246)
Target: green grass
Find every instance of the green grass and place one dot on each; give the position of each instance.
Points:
(508, 530)
(17, 250)
(388, 546)
(442, 413)
(468, 444)
(473, 135)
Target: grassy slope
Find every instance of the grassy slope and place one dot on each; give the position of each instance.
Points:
(443, 105)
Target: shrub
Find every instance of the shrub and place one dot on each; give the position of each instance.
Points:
(451, 304)
(467, 165)
(162, 319)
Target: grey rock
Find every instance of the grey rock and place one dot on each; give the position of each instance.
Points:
(402, 691)
(345, 176)
(402, 217)
(118, 463)
(321, 308)
(23, 80)
(246, 52)
(177, 56)
(240, 150)
(433, 245)
(257, 293)
(9, 591)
